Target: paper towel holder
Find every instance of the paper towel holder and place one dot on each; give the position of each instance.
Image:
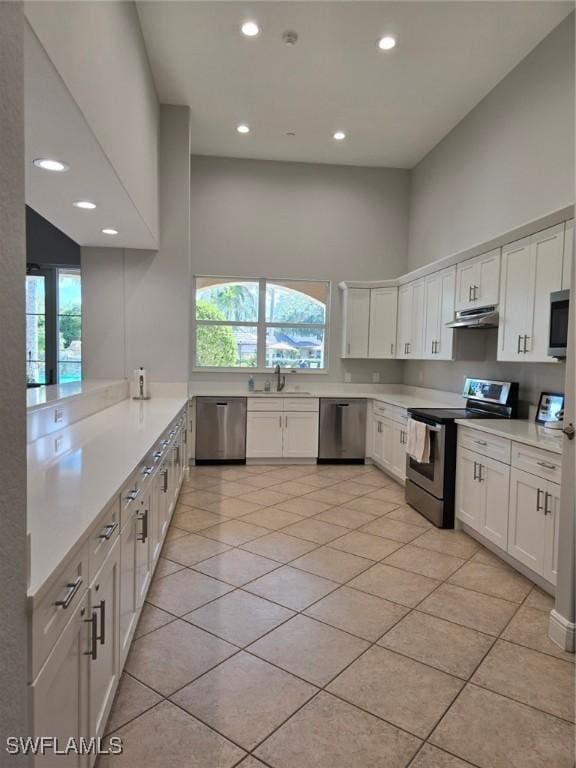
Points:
(140, 384)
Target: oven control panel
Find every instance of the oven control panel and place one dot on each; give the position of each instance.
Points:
(487, 391)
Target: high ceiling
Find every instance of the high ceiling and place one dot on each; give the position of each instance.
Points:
(394, 106)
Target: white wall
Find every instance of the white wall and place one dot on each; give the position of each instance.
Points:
(13, 546)
(136, 304)
(98, 50)
(511, 159)
(259, 218)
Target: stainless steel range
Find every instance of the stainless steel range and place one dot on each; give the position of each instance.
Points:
(430, 486)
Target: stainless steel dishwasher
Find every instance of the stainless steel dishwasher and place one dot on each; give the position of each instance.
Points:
(342, 430)
(220, 429)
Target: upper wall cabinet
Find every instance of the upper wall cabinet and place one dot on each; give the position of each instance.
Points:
(356, 322)
(410, 336)
(440, 289)
(531, 270)
(383, 313)
(568, 254)
(478, 281)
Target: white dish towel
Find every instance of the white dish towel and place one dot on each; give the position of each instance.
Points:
(418, 441)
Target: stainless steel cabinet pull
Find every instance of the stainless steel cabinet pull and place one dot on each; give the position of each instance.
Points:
(476, 289)
(524, 349)
(547, 496)
(73, 588)
(93, 621)
(480, 468)
(108, 531)
(102, 608)
(144, 533)
(480, 442)
(348, 347)
(176, 450)
(132, 495)
(280, 421)
(147, 471)
(391, 349)
(539, 506)
(519, 342)
(475, 470)
(470, 293)
(165, 478)
(546, 465)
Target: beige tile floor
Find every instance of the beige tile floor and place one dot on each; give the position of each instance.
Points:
(306, 617)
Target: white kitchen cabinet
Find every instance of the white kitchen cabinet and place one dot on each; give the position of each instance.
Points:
(411, 320)
(478, 281)
(104, 667)
(568, 260)
(142, 544)
(482, 488)
(356, 322)
(552, 507)
(439, 288)
(282, 434)
(300, 435)
(377, 451)
(263, 434)
(60, 692)
(389, 446)
(128, 586)
(531, 270)
(383, 313)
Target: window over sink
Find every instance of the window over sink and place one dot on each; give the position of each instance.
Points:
(260, 323)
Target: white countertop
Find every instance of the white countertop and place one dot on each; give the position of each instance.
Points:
(39, 397)
(393, 394)
(73, 475)
(519, 430)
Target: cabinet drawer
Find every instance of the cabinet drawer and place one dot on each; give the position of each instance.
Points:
(130, 495)
(265, 403)
(58, 605)
(493, 446)
(392, 412)
(301, 404)
(536, 461)
(103, 537)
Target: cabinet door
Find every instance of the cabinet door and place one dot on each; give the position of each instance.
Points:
(388, 444)
(383, 312)
(416, 348)
(163, 500)
(300, 437)
(264, 435)
(128, 591)
(398, 465)
(356, 322)
(155, 517)
(552, 509)
(433, 290)
(467, 275)
(495, 481)
(143, 558)
(404, 331)
(444, 345)
(377, 441)
(104, 667)
(488, 280)
(60, 692)
(517, 299)
(527, 521)
(568, 260)
(547, 253)
(468, 488)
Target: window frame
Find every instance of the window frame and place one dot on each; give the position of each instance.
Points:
(261, 326)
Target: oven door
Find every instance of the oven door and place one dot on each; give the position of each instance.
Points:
(430, 476)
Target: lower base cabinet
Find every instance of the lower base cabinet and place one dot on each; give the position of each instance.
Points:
(389, 446)
(278, 434)
(482, 488)
(533, 523)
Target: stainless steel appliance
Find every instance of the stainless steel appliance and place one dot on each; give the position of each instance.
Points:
(430, 486)
(342, 430)
(559, 307)
(483, 317)
(220, 430)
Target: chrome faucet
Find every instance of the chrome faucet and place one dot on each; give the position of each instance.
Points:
(280, 382)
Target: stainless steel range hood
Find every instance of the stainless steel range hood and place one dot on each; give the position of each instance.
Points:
(486, 317)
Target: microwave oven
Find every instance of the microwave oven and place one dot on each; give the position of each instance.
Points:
(558, 340)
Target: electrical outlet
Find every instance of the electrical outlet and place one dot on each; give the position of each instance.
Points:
(347, 377)
(375, 377)
(58, 415)
(58, 443)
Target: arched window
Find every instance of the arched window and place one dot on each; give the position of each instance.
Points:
(243, 323)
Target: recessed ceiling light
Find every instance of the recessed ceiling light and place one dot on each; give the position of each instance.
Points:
(387, 43)
(50, 165)
(339, 135)
(84, 204)
(109, 231)
(243, 128)
(250, 29)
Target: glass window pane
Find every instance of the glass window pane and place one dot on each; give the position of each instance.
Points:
(35, 294)
(296, 301)
(35, 337)
(220, 298)
(70, 337)
(35, 372)
(226, 346)
(69, 372)
(69, 292)
(295, 347)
